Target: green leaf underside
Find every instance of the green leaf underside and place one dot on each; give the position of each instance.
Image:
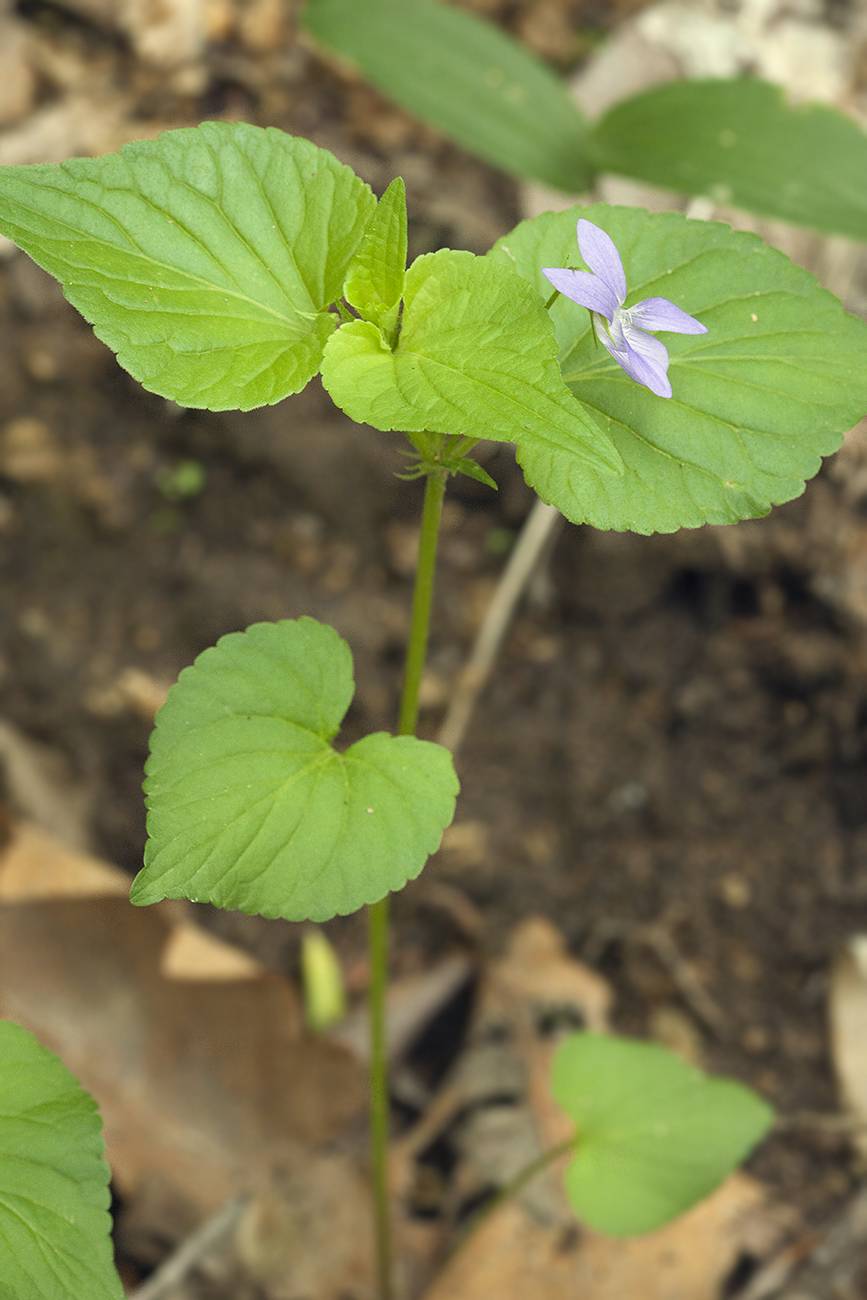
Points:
(476, 356)
(467, 78)
(205, 258)
(654, 1135)
(378, 273)
(54, 1198)
(758, 400)
(251, 808)
(740, 143)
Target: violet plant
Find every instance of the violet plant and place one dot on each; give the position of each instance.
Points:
(227, 265)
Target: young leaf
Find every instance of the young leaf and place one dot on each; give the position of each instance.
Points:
(54, 1221)
(206, 259)
(251, 807)
(322, 979)
(467, 78)
(740, 143)
(654, 1135)
(772, 387)
(476, 355)
(377, 276)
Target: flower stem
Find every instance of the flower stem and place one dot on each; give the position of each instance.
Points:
(377, 913)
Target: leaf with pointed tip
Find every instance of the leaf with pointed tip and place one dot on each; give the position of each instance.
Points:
(206, 259)
(377, 276)
(465, 76)
(476, 356)
(251, 807)
(54, 1198)
(772, 387)
(473, 469)
(654, 1134)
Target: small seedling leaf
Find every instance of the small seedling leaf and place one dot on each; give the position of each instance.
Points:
(206, 259)
(322, 978)
(654, 1134)
(250, 805)
(476, 356)
(466, 77)
(772, 387)
(378, 273)
(54, 1198)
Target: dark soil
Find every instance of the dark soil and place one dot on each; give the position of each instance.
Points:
(670, 761)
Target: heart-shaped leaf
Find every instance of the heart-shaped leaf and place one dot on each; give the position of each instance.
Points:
(205, 259)
(54, 1198)
(476, 355)
(251, 807)
(655, 1135)
(772, 387)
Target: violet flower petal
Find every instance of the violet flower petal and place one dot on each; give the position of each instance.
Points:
(648, 360)
(600, 254)
(587, 290)
(640, 355)
(660, 314)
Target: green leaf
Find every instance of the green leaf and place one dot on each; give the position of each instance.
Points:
(54, 1199)
(467, 78)
(476, 356)
(206, 259)
(473, 469)
(377, 276)
(758, 400)
(741, 144)
(251, 807)
(655, 1135)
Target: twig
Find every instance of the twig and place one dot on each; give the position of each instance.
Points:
(537, 529)
(825, 1123)
(684, 976)
(179, 1265)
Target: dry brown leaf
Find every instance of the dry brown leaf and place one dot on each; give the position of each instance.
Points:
(202, 1086)
(309, 1232)
(17, 79)
(848, 1013)
(538, 973)
(191, 953)
(513, 1257)
(37, 866)
(536, 980)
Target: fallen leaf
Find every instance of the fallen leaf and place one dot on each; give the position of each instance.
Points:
(512, 1256)
(848, 1015)
(202, 1085)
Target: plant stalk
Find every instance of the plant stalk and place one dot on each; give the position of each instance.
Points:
(435, 489)
(513, 1187)
(377, 913)
(377, 940)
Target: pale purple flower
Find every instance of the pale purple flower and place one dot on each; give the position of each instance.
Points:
(643, 357)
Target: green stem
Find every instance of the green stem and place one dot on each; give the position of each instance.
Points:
(377, 913)
(435, 489)
(377, 936)
(513, 1187)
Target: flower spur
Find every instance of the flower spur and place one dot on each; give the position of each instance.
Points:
(603, 293)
